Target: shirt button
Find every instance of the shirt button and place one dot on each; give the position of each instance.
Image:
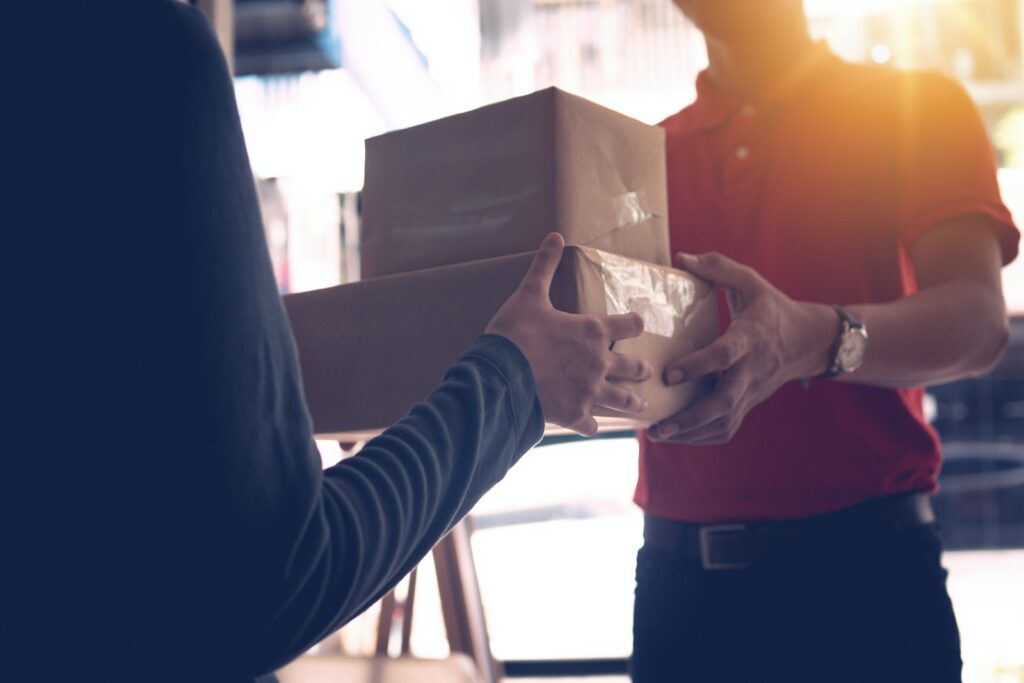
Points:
(742, 153)
(748, 110)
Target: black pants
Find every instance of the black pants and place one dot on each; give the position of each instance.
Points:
(866, 605)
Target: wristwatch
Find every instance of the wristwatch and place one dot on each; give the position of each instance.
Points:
(851, 345)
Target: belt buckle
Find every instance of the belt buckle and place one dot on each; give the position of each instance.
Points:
(706, 533)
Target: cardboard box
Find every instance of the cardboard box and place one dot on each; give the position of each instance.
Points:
(493, 181)
(370, 350)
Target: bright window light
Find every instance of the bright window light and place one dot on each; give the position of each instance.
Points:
(881, 54)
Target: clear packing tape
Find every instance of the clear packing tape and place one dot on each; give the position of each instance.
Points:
(631, 208)
(663, 297)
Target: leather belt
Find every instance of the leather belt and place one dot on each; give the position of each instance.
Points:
(737, 545)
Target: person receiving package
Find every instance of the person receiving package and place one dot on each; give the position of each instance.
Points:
(851, 218)
(163, 511)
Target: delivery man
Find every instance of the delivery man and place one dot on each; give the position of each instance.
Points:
(163, 513)
(851, 217)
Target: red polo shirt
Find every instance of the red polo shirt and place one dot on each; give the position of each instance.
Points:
(821, 183)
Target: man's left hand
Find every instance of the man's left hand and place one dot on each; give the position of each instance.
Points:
(771, 340)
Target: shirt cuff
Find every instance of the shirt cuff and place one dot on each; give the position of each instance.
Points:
(512, 365)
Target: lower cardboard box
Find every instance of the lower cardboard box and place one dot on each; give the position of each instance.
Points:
(370, 350)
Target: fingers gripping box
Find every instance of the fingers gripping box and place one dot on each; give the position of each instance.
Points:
(679, 313)
(371, 349)
(494, 181)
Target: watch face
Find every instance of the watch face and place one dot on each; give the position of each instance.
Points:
(851, 351)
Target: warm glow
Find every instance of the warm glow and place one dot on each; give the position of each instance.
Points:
(881, 54)
(864, 7)
(833, 7)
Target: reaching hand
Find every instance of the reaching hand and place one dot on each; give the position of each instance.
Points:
(772, 340)
(569, 354)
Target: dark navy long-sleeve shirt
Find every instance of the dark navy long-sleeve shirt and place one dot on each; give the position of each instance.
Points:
(163, 512)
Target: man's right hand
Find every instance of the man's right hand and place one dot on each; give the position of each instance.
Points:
(569, 354)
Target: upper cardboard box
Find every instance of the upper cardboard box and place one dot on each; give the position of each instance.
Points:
(493, 181)
(371, 349)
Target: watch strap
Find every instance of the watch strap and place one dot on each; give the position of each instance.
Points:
(847, 322)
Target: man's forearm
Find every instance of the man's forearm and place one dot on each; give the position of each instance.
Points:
(955, 326)
(946, 332)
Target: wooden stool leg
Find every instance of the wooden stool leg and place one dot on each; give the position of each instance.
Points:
(460, 600)
(384, 623)
(390, 609)
(407, 606)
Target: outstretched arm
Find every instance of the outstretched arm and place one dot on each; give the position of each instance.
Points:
(373, 517)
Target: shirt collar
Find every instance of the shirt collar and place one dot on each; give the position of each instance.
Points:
(713, 106)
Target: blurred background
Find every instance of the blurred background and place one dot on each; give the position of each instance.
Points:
(555, 542)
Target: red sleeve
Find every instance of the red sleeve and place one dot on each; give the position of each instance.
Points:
(946, 164)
